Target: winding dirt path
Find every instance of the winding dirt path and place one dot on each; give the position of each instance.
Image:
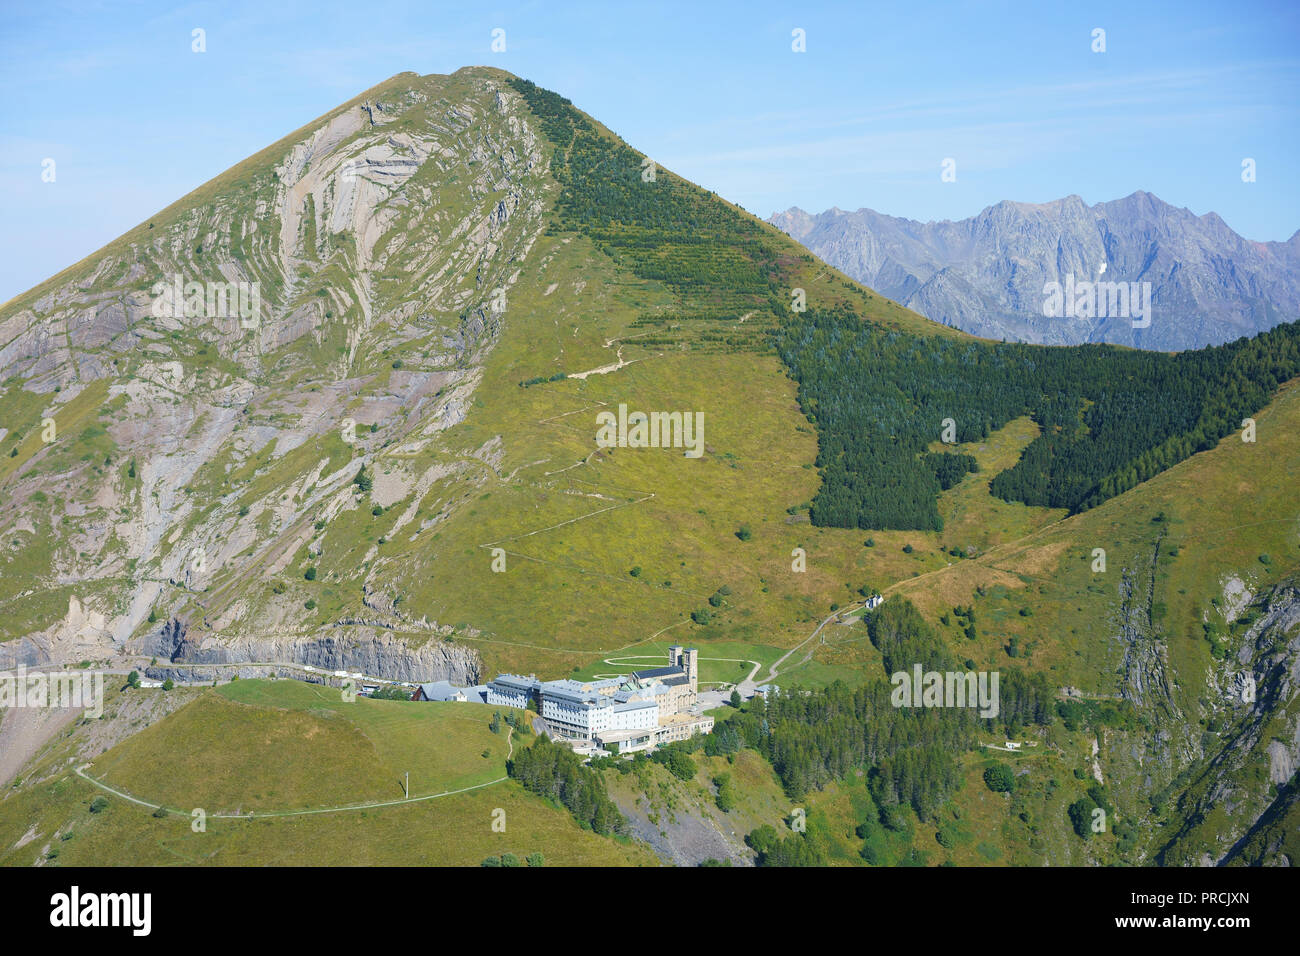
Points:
(774, 671)
(510, 732)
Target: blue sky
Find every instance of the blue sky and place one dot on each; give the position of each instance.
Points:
(884, 93)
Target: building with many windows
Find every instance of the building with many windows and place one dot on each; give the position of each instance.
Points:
(512, 690)
(647, 708)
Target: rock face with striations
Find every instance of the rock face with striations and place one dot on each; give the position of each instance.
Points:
(1249, 776)
(364, 650)
(221, 374)
(986, 274)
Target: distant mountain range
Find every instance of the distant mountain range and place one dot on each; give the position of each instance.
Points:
(987, 275)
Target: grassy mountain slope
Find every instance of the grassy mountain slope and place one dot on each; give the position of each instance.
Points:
(259, 750)
(458, 273)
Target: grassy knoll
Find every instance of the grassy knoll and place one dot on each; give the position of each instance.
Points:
(264, 746)
(259, 746)
(454, 831)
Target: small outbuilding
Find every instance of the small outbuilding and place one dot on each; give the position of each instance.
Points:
(439, 691)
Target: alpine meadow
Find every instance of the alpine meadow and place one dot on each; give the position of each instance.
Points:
(451, 483)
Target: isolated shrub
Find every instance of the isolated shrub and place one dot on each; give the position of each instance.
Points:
(1081, 816)
(875, 850)
(680, 765)
(726, 798)
(999, 778)
(895, 818)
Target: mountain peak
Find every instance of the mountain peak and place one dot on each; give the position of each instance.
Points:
(985, 274)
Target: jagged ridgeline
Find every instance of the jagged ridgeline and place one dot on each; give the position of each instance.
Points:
(1110, 417)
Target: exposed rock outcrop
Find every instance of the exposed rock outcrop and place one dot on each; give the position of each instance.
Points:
(354, 649)
(384, 241)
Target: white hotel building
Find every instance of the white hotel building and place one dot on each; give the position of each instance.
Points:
(576, 711)
(645, 709)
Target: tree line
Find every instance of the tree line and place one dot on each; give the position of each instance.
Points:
(1108, 417)
(815, 737)
(554, 771)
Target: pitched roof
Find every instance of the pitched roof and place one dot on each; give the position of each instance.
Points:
(440, 690)
(670, 671)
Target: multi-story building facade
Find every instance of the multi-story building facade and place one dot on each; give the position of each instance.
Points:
(512, 690)
(648, 708)
(584, 711)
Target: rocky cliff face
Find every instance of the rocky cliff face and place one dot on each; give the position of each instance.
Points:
(986, 275)
(1242, 784)
(196, 657)
(184, 412)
